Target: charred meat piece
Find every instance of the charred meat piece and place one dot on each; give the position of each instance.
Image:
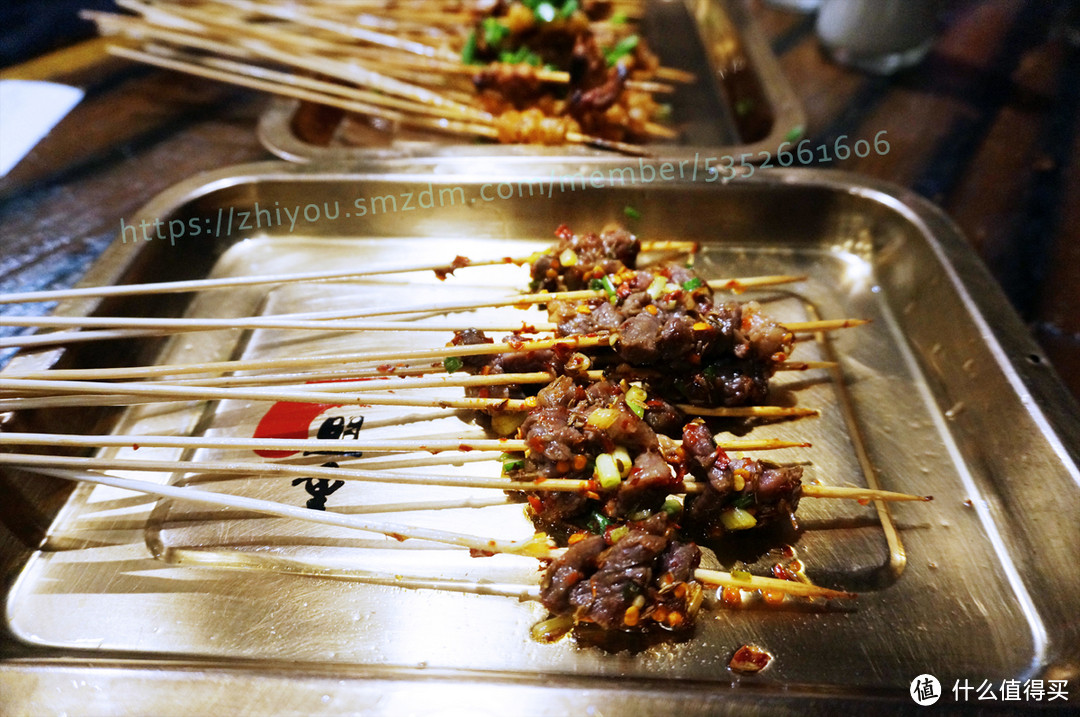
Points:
(644, 579)
(517, 84)
(576, 259)
(740, 493)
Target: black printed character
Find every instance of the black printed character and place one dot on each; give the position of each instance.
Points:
(319, 488)
(334, 428)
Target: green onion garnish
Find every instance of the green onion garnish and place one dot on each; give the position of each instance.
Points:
(494, 32)
(510, 466)
(597, 523)
(595, 284)
(631, 212)
(468, 53)
(608, 286)
(692, 284)
(522, 55)
(672, 506)
(619, 18)
(745, 500)
(568, 9)
(452, 363)
(621, 49)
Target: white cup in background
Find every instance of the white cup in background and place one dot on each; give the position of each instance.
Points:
(878, 36)
(796, 5)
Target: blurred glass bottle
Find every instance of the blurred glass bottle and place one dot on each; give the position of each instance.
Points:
(797, 5)
(878, 36)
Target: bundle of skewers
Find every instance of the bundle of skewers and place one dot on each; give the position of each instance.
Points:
(605, 419)
(550, 72)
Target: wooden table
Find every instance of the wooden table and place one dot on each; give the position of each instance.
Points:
(985, 127)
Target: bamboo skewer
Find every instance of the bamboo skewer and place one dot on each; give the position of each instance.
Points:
(522, 300)
(212, 367)
(445, 267)
(335, 325)
(511, 300)
(128, 395)
(558, 485)
(533, 548)
(300, 93)
(554, 485)
(550, 484)
(184, 325)
(754, 582)
(852, 493)
(217, 367)
(537, 547)
(505, 445)
(179, 287)
(282, 469)
(264, 323)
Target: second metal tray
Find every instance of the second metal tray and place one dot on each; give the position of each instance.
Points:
(740, 103)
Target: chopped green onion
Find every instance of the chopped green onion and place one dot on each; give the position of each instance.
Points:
(597, 523)
(608, 286)
(619, 18)
(621, 49)
(710, 372)
(622, 461)
(619, 533)
(794, 133)
(545, 12)
(568, 9)
(553, 628)
(745, 500)
(521, 56)
(635, 399)
(607, 472)
(512, 465)
(631, 212)
(602, 418)
(452, 363)
(468, 53)
(737, 519)
(672, 506)
(596, 284)
(505, 423)
(692, 284)
(494, 32)
(656, 288)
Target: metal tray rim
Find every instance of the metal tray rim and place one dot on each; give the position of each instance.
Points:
(1005, 333)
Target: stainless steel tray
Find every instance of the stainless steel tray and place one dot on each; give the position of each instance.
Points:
(741, 102)
(117, 604)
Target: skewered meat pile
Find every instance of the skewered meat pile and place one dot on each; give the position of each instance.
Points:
(550, 72)
(625, 568)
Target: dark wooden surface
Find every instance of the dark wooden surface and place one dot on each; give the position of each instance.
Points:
(986, 127)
